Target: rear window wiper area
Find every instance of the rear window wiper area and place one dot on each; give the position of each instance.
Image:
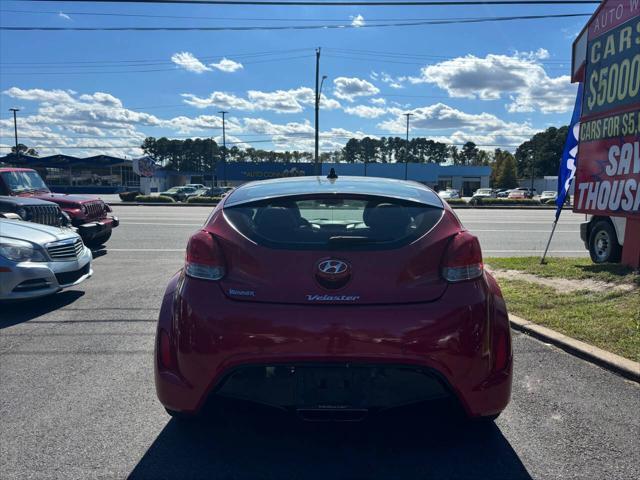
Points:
(339, 240)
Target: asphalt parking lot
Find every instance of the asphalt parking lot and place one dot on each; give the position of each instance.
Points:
(77, 397)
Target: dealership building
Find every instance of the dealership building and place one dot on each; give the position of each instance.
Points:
(106, 174)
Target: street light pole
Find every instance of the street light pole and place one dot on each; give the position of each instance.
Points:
(406, 159)
(15, 127)
(317, 113)
(224, 149)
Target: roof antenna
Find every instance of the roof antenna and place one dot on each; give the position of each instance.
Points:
(332, 174)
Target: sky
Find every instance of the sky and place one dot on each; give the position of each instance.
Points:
(90, 92)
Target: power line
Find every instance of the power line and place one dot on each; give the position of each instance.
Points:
(163, 61)
(176, 68)
(238, 19)
(288, 27)
(379, 3)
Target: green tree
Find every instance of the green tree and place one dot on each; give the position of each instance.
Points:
(543, 150)
(507, 176)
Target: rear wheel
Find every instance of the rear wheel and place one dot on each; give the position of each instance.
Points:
(603, 243)
(98, 240)
(181, 416)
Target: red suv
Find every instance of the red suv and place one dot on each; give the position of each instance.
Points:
(88, 215)
(333, 298)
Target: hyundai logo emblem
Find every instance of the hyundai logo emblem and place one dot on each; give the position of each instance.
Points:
(333, 267)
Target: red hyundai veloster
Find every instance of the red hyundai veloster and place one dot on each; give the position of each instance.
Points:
(333, 297)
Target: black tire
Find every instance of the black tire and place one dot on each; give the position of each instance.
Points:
(99, 240)
(181, 416)
(487, 419)
(603, 243)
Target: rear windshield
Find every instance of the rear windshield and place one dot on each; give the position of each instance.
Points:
(333, 222)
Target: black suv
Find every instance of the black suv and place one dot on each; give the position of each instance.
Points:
(34, 210)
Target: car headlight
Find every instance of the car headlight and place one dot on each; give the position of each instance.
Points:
(65, 219)
(24, 213)
(20, 251)
(83, 207)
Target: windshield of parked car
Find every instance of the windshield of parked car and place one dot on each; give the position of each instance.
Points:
(320, 222)
(23, 181)
(484, 191)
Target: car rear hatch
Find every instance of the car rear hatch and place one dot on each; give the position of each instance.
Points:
(337, 249)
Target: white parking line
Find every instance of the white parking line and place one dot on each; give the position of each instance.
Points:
(162, 224)
(145, 249)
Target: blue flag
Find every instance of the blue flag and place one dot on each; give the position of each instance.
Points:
(569, 155)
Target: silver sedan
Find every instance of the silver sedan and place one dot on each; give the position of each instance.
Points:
(38, 260)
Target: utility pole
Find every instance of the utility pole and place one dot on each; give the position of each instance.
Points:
(317, 113)
(15, 127)
(533, 167)
(406, 152)
(224, 149)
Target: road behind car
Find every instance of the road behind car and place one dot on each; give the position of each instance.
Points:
(77, 397)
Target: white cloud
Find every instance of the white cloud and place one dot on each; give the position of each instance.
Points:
(226, 65)
(378, 101)
(357, 21)
(189, 62)
(520, 77)
(483, 128)
(365, 111)
(64, 118)
(64, 15)
(219, 100)
(279, 101)
(348, 88)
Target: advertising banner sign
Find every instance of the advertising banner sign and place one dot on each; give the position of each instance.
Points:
(608, 171)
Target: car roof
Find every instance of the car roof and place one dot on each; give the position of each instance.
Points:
(12, 169)
(25, 201)
(311, 185)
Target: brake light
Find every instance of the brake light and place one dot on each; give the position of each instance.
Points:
(204, 258)
(463, 259)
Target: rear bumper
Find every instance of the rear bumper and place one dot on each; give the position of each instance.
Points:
(91, 230)
(449, 341)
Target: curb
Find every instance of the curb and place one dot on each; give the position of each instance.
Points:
(607, 360)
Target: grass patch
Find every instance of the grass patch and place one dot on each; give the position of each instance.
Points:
(203, 199)
(609, 320)
(571, 268)
(154, 199)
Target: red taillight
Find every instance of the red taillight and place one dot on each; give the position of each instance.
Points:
(463, 259)
(166, 352)
(204, 258)
(501, 351)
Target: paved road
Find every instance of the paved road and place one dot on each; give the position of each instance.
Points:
(503, 232)
(77, 400)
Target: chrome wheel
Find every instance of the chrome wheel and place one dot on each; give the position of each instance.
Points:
(602, 245)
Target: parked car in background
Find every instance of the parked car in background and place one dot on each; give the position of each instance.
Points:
(522, 192)
(548, 196)
(198, 192)
(179, 194)
(197, 186)
(516, 194)
(216, 191)
(34, 210)
(89, 215)
(38, 260)
(285, 299)
(482, 193)
(503, 193)
(449, 194)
